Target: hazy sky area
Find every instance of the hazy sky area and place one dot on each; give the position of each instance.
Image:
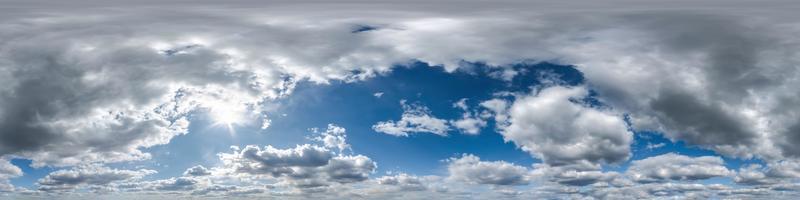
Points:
(389, 99)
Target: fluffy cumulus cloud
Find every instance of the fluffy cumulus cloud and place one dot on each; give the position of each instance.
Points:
(572, 175)
(305, 166)
(403, 182)
(672, 166)
(470, 123)
(196, 182)
(779, 172)
(555, 125)
(87, 176)
(198, 170)
(333, 137)
(8, 170)
(469, 168)
(415, 119)
(249, 171)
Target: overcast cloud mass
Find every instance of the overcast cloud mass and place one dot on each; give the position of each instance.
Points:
(610, 99)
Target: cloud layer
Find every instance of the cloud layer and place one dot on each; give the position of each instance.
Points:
(90, 84)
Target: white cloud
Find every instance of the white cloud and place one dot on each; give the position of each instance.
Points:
(497, 108)
(550, 125)
(302, 166)
(470, 123)
(784, 169)
(471, 169)
(88, 175)
(651, 146)
(660, 191)
(752, 175)
(7, 171)
(173, 184)
(572, 175)
(403, 182)
(334, 137)
(677, 167)
(415, 119)
(197, 170)
(378, 94)
(774, 173)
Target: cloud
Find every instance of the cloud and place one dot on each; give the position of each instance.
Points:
(497, 108)
(197, 170)
(87, 175)
(197, 181)
(677, 167)
(7, 171)
(300, 171)
(471, 169)
(660, 191)
(777, 172)
(738, 85)
(403, 182)
(572, 175)
(229, 190)
(334, 137)
(651, 146)
(415, 119)
(251, 159)
(752, 175)
(469, 122)
(174, 184)
(302, 166)
(551, 125)
(108, 85)
(469, 125)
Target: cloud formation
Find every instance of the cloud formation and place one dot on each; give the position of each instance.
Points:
(415, 119)
(552, 124)
(469, 123)
(87, 175)
(305, 166)
(677, 167)
(469, 168)
(8, 170)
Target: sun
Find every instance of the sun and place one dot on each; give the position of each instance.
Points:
(226, 114)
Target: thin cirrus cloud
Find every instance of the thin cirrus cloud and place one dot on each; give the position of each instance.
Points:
(89, 88)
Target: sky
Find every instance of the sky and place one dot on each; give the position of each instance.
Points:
(243, 99)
